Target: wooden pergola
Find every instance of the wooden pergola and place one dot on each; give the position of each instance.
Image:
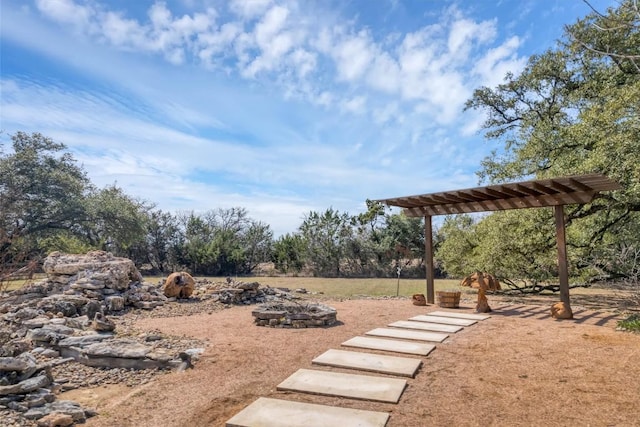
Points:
(555, 192)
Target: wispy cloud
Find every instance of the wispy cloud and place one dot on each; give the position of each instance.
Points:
(278, 43)
(281, 106)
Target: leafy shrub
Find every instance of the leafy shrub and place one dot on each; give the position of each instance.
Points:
(631, 323)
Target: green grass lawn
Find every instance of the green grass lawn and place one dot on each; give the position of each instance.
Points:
(352, 287)
(333, 287)
(340, 287)
(11, 285)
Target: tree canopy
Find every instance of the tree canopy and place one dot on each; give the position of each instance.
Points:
(574, 109)
(42, 190)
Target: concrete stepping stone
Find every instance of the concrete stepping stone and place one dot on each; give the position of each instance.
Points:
(443, 320)
(468, 316)
(393, 365)
(266, 412)
(379, 389)
(407, 334)
(395, 346)
(425, 326)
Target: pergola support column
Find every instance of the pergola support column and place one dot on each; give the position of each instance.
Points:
(563, 270)
(428, 255)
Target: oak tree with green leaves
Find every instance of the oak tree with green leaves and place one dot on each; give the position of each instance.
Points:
(42, 194)
(574, 109)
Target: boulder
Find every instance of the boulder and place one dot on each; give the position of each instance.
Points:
(560, 310)
(94, 270)
(26, 386)
(114, 303)
(179, 285)
(73, 409)
(56, 419)
(102, 323)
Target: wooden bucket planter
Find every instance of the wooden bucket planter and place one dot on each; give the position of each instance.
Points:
(449, 299)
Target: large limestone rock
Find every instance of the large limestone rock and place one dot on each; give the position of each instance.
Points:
(93, 271)
(179, 285)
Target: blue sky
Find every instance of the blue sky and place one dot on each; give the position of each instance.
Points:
(279, 106)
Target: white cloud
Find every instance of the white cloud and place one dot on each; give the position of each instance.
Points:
(304, 62)
(353, 55)
(123, 32)
(272, 40)
(354, 105)
(67, 12)
(496, 62)
(249, 8)
(385, 73)
(433, 69)
(464, 33)
(217, 42)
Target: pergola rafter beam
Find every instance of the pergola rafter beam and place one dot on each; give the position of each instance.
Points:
(500, 204)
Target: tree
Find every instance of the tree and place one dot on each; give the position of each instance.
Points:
(574, 109)
(289, 253)
(116, 222)
(224, 242)
(613, 35)
(194, 239)
(257, 245)
(42, 192)
(162, 241)
(405, 235)
(326, 236)
(458, 242)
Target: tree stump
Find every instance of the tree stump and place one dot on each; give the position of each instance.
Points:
(560, 310)
(483, 303)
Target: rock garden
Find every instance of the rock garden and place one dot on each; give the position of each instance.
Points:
(70, 331)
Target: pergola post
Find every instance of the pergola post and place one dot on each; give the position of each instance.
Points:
(428, 255)
(563, 271)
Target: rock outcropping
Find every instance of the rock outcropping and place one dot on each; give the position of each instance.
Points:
(76, 317)
(65, 318)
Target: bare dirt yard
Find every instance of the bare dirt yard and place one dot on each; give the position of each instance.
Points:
(518, 368)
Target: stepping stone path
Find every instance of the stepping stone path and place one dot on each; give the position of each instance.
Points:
(390, 345)
(380, 389)
(284, 413)
(443, 320)
(426, 326)
(426, 329)
(407, 334)
(392, 365)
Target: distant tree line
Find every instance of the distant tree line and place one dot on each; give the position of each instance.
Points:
(47, 203)
(574, 109)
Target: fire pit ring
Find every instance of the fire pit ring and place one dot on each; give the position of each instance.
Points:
(293, 315)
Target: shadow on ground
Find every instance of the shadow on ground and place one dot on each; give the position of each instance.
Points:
(580, 316)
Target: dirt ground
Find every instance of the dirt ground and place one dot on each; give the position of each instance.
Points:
(519, 368)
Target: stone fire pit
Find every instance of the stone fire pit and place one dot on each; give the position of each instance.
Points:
(292, 315)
